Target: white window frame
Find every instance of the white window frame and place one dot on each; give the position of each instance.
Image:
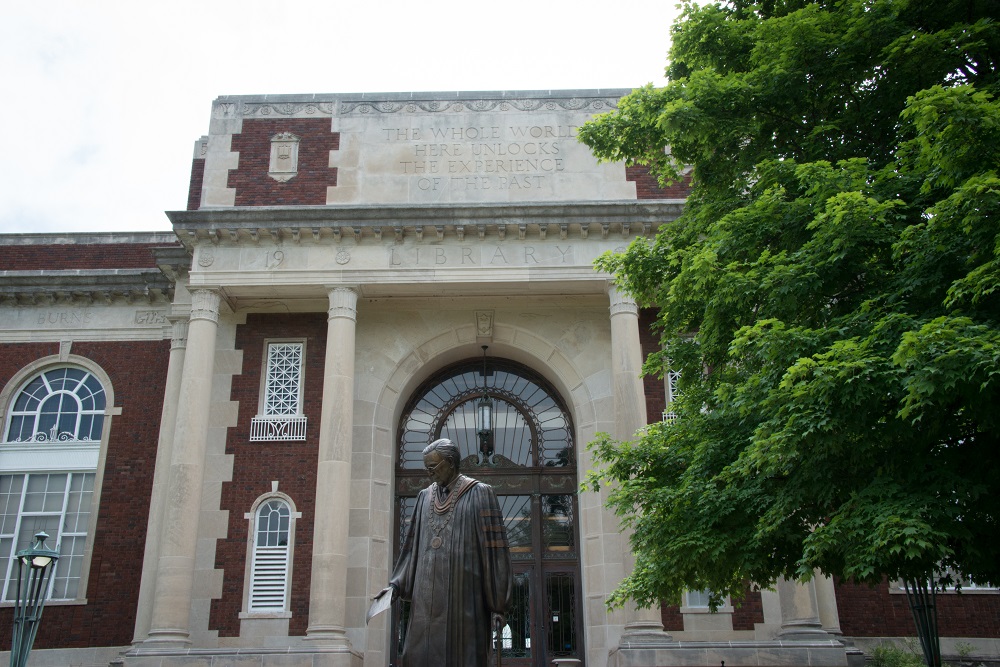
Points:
(696, 602)
(253, 554)
(284, 425)
(26, 524)
(59, 457)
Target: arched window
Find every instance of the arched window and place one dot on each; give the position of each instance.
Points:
(62, 404)
(48, 462)
(272, 529)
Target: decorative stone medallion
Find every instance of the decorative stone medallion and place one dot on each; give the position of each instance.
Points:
(284, 157)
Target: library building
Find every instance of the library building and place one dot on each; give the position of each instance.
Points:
(222, 427)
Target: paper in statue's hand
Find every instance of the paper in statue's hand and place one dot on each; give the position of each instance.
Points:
(381, 602)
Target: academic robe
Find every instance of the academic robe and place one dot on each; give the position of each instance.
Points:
(455, 587)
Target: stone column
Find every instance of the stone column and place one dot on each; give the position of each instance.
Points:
(178, 538)
(799, 611)
(328, 589)
(630, 416)
(826, 601)
(161, 472)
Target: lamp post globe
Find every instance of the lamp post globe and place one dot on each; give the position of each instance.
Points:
(34, 570)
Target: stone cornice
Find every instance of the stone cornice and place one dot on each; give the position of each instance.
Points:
(511, 101)
(85, 286)
(557, 220)
(87, 238)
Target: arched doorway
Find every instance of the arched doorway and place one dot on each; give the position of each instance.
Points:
(530, 461)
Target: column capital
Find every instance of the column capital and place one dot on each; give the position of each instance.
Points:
(343, 303)
(205, 304)
(179, 332)
(621, 303)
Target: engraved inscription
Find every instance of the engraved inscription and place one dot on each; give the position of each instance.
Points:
(466, 256)
(491, 157)
(274, 259)
(65, 318)
(152, 317)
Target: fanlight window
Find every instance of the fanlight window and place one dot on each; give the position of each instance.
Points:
(62, 404)
(530, 428)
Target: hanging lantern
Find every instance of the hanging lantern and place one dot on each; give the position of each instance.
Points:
(484, 420)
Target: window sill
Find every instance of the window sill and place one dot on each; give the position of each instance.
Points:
(727, 609)
(52, 603)
(265, 614)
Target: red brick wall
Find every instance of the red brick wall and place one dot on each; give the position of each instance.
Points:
(874, 612)
(646, 186)
(108, 618)
(255, 188)
(194, 186)
(673, 620)
(256, 464)
(748, 611)
(653, 387)
(78, 256)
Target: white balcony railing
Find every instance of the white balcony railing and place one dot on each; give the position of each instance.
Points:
(278, 427)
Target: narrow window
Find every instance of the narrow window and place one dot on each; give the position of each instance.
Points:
(271, 558)
(281, 415)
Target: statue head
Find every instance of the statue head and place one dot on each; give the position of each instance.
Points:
(447, 449)
(442, 460)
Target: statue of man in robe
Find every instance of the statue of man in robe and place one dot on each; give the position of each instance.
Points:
(454, 567)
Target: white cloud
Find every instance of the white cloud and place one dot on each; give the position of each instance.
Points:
(104, 99)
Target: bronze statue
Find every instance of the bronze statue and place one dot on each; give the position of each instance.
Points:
(454, 567)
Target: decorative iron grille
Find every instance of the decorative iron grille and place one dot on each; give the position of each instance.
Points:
(283, 386)
(282, 417)
(278, 427)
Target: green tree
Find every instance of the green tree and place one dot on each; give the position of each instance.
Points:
(830, 296)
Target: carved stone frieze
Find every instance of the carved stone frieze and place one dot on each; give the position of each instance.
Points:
(596, 104)
(278, 109)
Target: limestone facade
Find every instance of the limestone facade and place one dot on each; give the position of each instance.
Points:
(402, 233)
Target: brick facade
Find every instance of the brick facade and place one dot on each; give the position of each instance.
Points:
(255, 188)
(748, 611)
(867, 611)
(58, 257)
(195, 184)
(653, 387)
(647, 187)
(257, 464)
(108, 618)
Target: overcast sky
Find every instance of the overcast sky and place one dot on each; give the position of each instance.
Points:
(103, 99)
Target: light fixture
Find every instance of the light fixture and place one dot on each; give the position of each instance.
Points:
(484, 420)
(34, 569)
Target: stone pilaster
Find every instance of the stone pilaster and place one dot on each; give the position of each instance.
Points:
(161, 473)
(799, 611)
(328, 590)
(630, 416)
(171, 610)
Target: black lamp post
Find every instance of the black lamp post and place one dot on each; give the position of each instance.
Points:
(484, 419)
(34, 569)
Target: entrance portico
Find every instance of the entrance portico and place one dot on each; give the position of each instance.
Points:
(405, 268)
